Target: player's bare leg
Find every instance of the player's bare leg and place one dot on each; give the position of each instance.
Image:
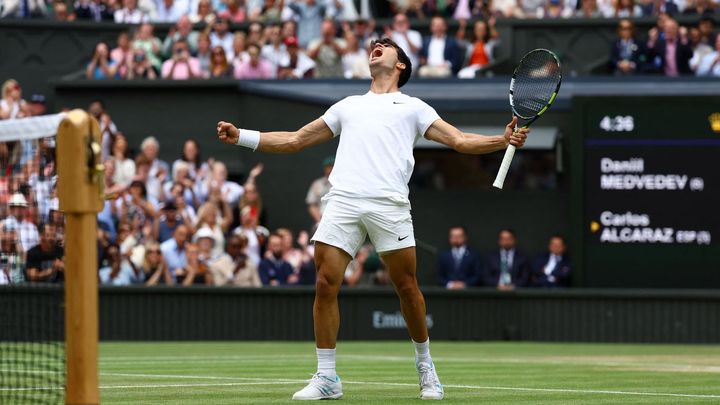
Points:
(331, 263)
(402, 269)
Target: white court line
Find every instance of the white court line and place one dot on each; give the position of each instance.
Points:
(260, 381)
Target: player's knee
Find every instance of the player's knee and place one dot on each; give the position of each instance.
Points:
(405, 285)
(325, 289)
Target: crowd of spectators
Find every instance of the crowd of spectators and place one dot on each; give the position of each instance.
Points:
(668, 48)
(295, 39)
(504, 268)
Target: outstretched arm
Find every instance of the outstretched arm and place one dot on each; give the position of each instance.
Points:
(311, 134)
(446, 134)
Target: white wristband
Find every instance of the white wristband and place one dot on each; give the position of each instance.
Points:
(248, 138)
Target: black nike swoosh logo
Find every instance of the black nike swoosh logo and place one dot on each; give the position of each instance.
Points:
(396, 102)
(403, 238)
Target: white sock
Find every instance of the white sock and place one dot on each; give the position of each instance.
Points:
(422, 352)
(326, 362)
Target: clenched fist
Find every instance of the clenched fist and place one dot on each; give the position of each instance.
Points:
(227, 133)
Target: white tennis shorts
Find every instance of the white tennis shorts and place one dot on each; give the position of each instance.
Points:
(346, 221)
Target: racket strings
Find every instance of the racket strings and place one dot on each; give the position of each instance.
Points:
(536, 79)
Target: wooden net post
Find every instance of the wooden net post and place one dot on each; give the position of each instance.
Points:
(80, 189)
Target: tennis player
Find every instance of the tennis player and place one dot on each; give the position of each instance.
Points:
(369, 196)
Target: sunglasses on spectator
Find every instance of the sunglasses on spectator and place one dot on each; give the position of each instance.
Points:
(153, 251)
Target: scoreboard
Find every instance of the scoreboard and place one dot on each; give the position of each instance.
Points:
(646, 191)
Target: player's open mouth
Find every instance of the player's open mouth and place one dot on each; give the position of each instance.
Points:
(377, 52)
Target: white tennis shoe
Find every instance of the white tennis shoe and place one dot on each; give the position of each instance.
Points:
(430, 387)
(320, 387)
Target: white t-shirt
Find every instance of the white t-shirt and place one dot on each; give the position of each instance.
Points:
(379, 131)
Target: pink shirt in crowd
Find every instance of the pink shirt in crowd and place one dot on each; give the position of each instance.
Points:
(246, 70)
(670, 61)
(181, 71)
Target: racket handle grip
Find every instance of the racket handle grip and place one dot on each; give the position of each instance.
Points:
(504, 167)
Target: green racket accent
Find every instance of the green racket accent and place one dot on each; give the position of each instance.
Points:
(552, 98)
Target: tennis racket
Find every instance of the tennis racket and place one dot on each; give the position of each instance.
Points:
(534, 85)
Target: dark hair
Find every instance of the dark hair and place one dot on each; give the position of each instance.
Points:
(253, 45)
(508, 230)
(402, 58)
(43, 226)
(141, 185)
(198, 160)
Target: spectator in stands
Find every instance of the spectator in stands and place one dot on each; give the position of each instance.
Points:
(24, 9)
(700, 8)
(140, 67)
(245, 272)
(203, 13)
(61, 13)
(219, 264)
(327, 50)
(235, 11)
(18, 219)
(273, 269)
(253, 233)
(552, 269)
(252, 200)
(182, 65)
(219, 66)
(355, 60)
(146, 40)
(710, 64)
(101, 66)
(182, 31)
(165, 225)
(706, 26)
(627, 54)
(318, 189)
(409, 40)
(93, 10)
(37, 105)
(239, 48)
(270, 12)
(197, 169)
(170, 11)
(589, 9)
(136, 208)
(12, 104)
(309, 15)
(130, 13)
(122, 55)
(217, 222)
(255, 67)
(204, 54)
(480, 52)
(627, 9)
(296, 65)
(274, 51)
(440, 55)
(222, 37)
(195, 271)
(159, 169)
(107, 126)
(174, 251)
(124, 166)
(506, 268)
(229, 190)
(669, 55)
(296, 257)
(459, 267)
(45, 260)
(255, 34)
(118, 272)
(12, 258)
(181, 174)
(185, 208)
(154, 271)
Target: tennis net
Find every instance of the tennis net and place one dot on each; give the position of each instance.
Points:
(32, 347)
